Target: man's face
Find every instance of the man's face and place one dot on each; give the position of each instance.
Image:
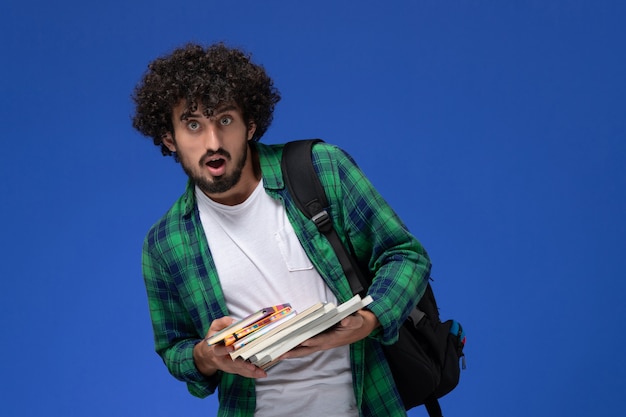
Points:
(213, 151)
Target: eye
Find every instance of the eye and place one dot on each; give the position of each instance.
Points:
(226, 120)
(193, 125)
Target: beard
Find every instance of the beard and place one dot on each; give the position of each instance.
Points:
(215, 185)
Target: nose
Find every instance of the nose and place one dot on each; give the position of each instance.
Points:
(212, 137)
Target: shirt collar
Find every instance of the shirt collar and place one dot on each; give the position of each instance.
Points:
(188, 200)
(269, 159)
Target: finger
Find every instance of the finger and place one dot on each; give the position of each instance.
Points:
(221, 350)
(248, 369)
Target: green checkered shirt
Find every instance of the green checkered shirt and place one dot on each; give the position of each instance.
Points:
(185, 296)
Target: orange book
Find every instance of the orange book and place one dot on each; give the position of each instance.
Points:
(245, 322)
(279, 314)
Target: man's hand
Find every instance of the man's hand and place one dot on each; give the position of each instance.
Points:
(210, 359)
(351, 329)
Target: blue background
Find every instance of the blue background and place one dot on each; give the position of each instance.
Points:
(496, 129)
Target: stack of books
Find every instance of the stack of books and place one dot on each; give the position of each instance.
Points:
(265, 335)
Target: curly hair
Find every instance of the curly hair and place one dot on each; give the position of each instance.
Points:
(207, 78)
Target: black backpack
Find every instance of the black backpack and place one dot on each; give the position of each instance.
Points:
(425, 359)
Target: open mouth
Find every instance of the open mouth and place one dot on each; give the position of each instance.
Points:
(215, 163)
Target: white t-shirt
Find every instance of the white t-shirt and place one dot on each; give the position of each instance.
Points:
(261, 263)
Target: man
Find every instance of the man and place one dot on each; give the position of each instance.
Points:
(235, 242)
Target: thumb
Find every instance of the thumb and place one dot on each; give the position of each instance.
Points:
(220, 324)
(353, 321)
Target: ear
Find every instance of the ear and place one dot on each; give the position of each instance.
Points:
(168, 141)
(251, 129)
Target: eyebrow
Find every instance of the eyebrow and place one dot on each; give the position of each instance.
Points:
(225, 108)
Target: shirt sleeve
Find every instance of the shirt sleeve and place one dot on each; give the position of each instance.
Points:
(174, 333)
(398, 264)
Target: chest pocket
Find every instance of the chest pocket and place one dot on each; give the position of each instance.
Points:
(291, 250)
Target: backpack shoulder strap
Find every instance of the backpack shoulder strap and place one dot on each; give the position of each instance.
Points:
(305, 188)
(301, 179)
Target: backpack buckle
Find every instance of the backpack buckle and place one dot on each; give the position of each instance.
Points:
(322, 221)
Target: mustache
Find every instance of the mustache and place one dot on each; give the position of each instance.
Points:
(210, 154)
